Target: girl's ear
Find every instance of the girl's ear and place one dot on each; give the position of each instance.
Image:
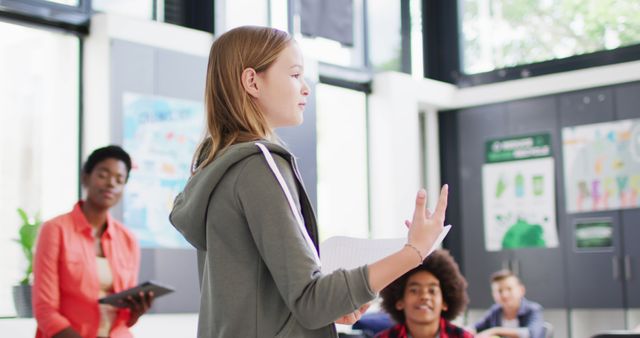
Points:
(250, 82)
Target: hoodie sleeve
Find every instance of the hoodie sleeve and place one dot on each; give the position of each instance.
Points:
(314, 299)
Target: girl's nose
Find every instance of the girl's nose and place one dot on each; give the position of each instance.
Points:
(305, 88)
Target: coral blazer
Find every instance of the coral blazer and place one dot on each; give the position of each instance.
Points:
(66, 287)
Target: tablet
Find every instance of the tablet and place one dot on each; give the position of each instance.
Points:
(118, 299)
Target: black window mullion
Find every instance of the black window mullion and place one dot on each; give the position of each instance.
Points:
(80, 111)
(441, 40)
(194, 14)
(48, 14)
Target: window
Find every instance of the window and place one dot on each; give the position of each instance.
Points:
(65, 2)
(279, 14)
(342, 162)
(235, 14)
(39, 136)
(333, 52)
(141, 9)
(385, 35)
(501, 33)
(395, 36)
(417, 66)
(69, 15)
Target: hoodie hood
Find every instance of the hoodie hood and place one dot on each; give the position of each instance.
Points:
(189, 214)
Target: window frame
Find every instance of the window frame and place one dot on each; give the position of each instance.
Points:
(50, 14)
(442, 24)
(365, 88)
(576, 62)
(345, 77)
(80, 32)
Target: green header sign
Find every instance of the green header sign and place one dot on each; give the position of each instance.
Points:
(518, 148)
(596, 234)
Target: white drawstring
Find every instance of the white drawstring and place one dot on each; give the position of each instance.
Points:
(292, 205)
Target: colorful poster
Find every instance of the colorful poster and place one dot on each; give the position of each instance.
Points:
(161, 134)
(518, 189)
(602, 166)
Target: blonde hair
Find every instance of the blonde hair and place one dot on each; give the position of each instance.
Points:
(232, 115)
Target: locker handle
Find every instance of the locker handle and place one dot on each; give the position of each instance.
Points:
(615, 262)
(627, 267)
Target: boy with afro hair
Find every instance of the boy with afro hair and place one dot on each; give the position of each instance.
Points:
(425, 299)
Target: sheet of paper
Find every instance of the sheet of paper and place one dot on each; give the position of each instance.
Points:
(349, 252)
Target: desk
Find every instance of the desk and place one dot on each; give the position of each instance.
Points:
(617, 334)
(149, 326)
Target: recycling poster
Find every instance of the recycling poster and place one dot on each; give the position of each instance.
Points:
(518, 189)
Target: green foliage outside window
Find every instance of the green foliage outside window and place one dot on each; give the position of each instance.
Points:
(504, 33)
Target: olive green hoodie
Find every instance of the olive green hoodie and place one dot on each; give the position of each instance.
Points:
(258, 275)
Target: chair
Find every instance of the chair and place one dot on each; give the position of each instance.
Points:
(548, 330)
(351, 335)
(374, 322)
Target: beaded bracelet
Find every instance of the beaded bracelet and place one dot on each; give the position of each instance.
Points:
(417, 251)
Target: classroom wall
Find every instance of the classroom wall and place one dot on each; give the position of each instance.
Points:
(135, 60)
(563, 277)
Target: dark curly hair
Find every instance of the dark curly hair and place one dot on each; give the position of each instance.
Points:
(104, 153)
(442, 266)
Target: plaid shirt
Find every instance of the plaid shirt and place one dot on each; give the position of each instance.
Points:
(447, 330)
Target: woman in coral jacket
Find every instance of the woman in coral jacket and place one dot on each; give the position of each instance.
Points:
(84, 255)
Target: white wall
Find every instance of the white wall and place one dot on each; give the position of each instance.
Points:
(97, 65)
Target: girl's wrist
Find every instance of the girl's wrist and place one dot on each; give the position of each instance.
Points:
(415, 251)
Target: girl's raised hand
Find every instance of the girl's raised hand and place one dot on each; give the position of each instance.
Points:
(426, 226)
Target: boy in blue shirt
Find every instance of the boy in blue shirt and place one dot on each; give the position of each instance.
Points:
(513, 315)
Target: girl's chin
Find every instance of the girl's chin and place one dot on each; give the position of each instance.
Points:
(293, 123)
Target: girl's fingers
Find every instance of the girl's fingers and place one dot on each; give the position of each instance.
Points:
(442, 204)
(421, 204)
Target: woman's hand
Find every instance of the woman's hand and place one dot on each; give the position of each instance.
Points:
(138, 306)
(425, 226)
(354, 316)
